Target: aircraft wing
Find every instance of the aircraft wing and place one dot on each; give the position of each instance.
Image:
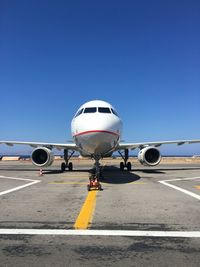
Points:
(69, 146)
(132, 146)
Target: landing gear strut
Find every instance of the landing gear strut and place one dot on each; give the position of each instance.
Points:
(126, 163)
(67, 164)
(94, 180)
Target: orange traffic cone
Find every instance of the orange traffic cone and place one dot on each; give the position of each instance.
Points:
(41, 172)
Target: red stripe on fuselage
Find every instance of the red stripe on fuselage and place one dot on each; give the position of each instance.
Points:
(96, 131)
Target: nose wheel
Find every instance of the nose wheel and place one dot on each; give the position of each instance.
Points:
(94, 179)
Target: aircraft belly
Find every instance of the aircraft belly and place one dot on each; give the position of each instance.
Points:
(96, 143)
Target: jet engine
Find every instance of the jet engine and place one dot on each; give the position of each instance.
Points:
(42, 157)
(149, 156)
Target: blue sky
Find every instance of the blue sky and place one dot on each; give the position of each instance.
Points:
(142, 56)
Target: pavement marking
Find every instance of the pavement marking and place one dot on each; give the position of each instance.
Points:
(84, 218)
(85, 183)
(172, 234)
(18, 187)
(166, 182)
(137, 183)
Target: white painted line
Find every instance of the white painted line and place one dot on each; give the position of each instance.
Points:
(17, 178)
(187, 192)
(31, 182)
(186, 234)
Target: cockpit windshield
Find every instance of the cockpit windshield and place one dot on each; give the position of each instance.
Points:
(96, 109)
(114, 112)
(79, 112)
(90, 110)
(104, 110)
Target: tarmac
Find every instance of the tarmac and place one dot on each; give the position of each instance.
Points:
(146, 217)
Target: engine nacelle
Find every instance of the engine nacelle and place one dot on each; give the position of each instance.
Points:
(42, 157)
(149, 156)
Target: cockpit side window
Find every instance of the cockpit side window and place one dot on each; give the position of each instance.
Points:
(104, 110)
(90, 110)
(79, 112)
(114, 112)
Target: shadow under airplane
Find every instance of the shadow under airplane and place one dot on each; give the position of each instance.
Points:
(114, 175)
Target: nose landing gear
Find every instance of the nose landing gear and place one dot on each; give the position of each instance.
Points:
(94, 179)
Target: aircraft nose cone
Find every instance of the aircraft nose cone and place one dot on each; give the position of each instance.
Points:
(105, 124)
(96, 123)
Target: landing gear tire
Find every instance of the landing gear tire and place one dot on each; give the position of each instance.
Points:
(122, 166)
(128, 166)
(70, 166)
(63, 166)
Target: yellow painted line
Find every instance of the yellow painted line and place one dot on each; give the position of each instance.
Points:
(84, 218)
(84, 183)
(198, 186)
(137, 183)
(132, 183)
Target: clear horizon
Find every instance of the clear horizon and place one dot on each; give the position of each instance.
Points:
(141, 56)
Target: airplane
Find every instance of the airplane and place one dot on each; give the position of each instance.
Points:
(96, 130)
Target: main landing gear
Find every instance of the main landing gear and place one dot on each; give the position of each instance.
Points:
(126, 163)
(67, 164)
(94, 180)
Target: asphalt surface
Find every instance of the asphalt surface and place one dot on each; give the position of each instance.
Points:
(135, 200)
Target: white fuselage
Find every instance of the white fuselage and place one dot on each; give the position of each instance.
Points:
(96, 129)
